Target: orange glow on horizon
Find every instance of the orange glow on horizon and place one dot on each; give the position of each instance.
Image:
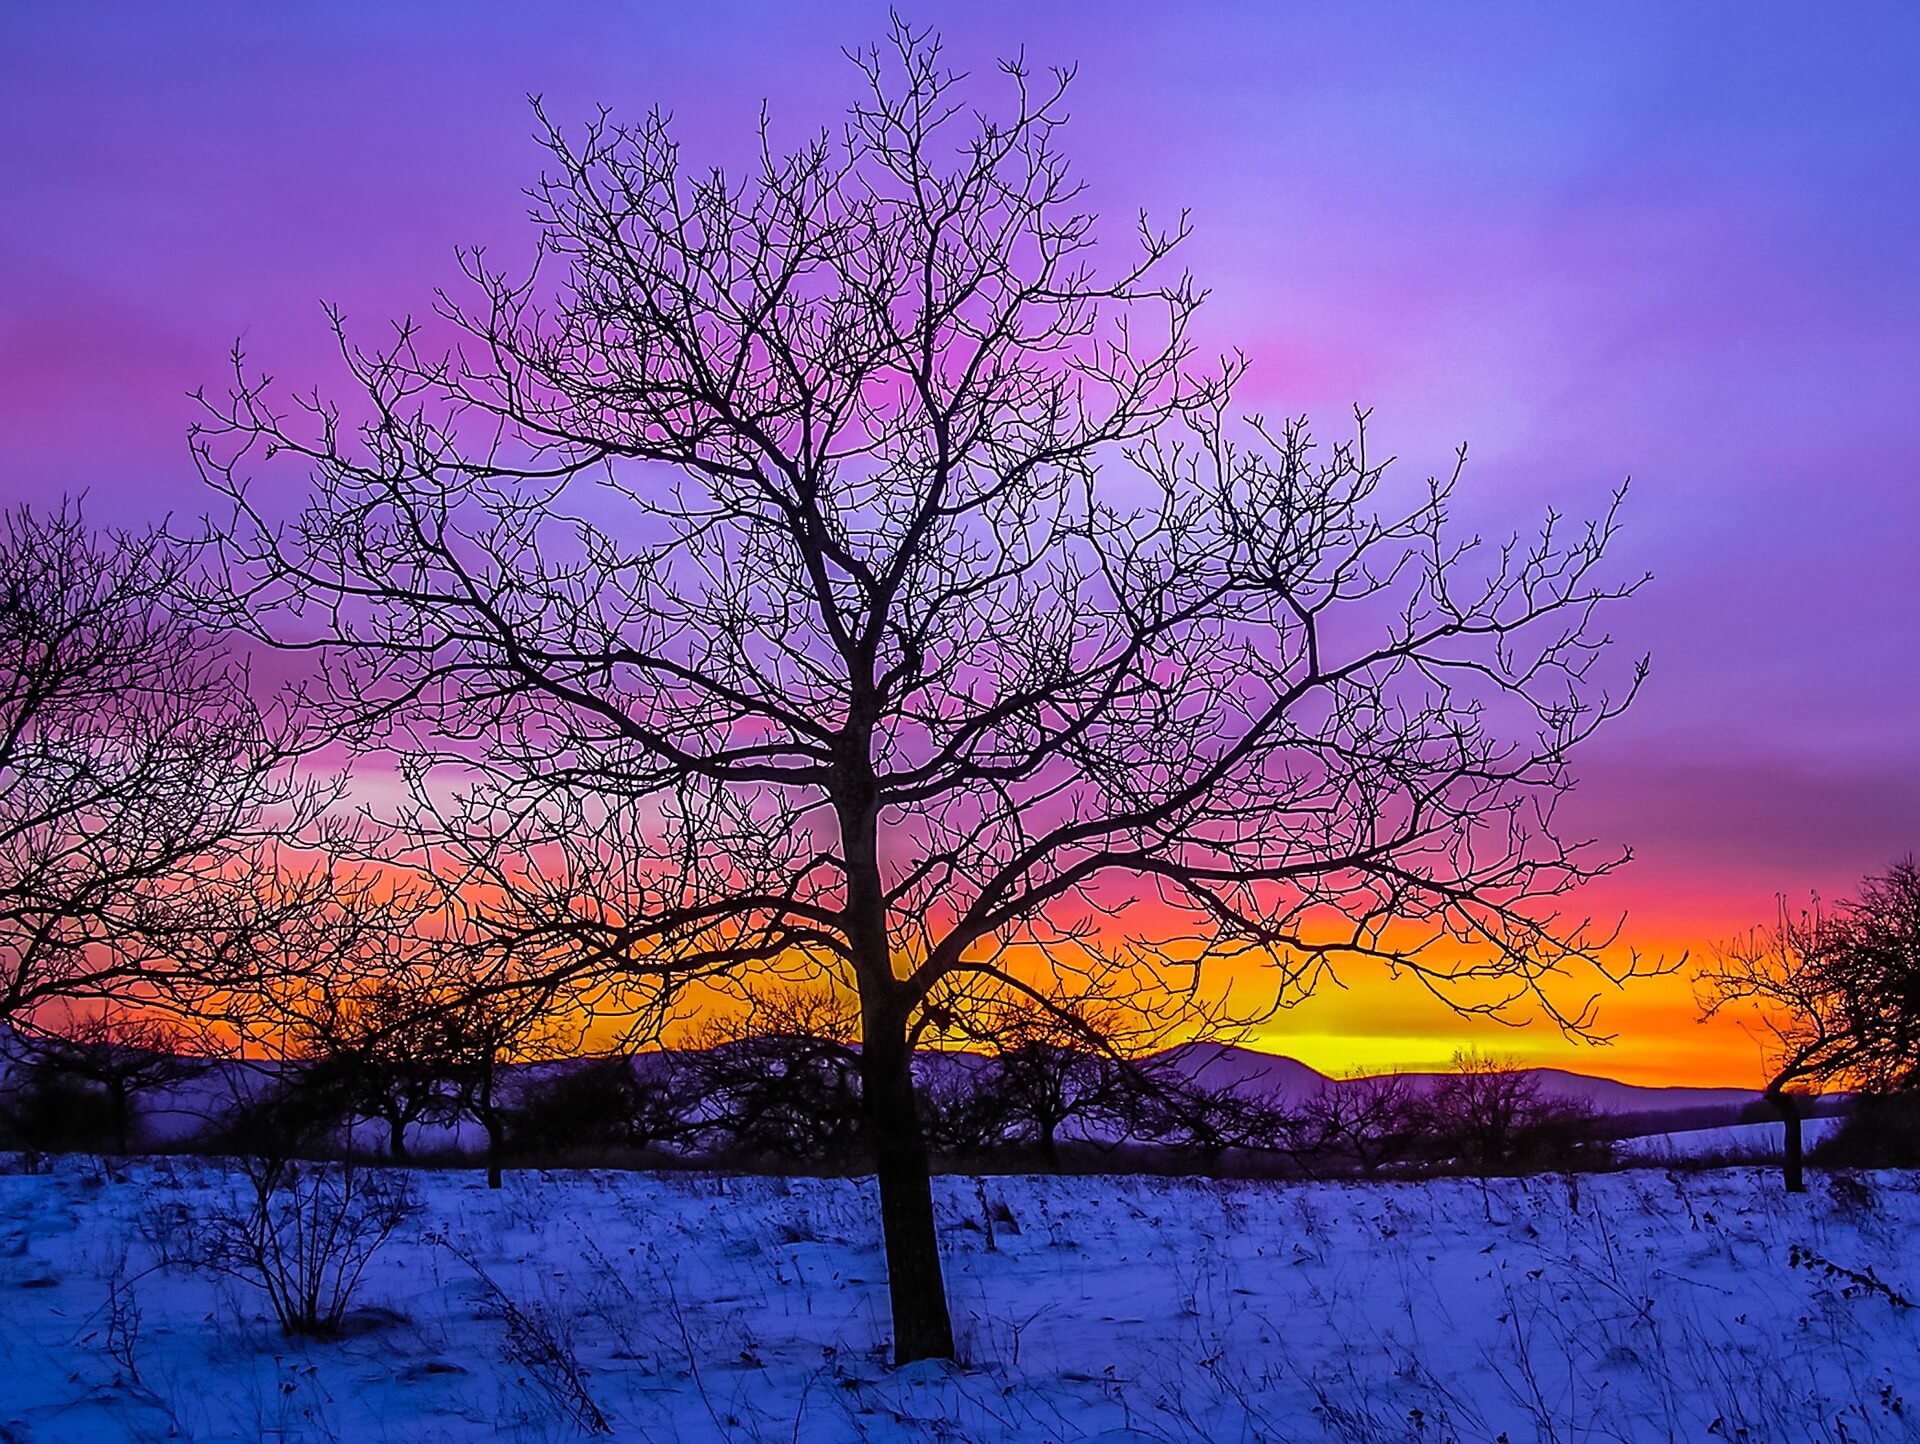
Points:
(1370, 1022)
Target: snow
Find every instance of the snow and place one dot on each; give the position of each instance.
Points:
(1756, 1141)
(1643, 1305)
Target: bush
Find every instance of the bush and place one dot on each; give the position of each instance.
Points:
(303, 1234)
(296, 1114)
(595, 1105)
(782, 1084)
(1880, 1131)
(1490, 1116)
(51, 1112)
(959, 1118)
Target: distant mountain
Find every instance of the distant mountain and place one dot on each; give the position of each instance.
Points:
(1608, 1095)
(1222, 1066)
(1287, 1081)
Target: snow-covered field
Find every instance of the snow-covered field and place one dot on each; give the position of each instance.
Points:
(1756, 1141)
(1644, 1306)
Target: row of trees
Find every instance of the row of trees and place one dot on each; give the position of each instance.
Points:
(782, 1089)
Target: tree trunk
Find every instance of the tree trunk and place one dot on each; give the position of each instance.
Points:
(490, 1120)
(916, 1289)
(1793, 1164)
(122, 1118)
(494, 1176)
(397, 1137)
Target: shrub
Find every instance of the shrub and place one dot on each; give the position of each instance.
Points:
(1880, 1131)
(303, 1233)
(295, 1114)
(51, 1112)
(1490, 1116)
(595, 1105)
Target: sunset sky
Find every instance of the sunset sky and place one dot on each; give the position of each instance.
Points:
(1678, 244)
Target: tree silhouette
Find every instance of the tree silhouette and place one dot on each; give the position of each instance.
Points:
(119, 1054)
(483, 1019)
(835, 566)
(1051, 1070)
(138, 775)
(380, 1051)
(351, 964)
(610, 1104)
(1375, 1120)
(1880, 953)
(1836, 993)
(782, 1080)
(1491, 1114)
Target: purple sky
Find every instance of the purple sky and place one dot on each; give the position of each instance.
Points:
(1676, 242)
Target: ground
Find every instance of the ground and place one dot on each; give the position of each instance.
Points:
(1642, 1305)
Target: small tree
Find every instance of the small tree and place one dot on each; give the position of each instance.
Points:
(120, 1055)
(476, 1029)
(959, 1115)
(618, 1101)
(1835, 994)
(1879, 951)
(1492, 1115)
(1053, 1065)
(382, 1053)
(379, 990)
(1375, 1121)
(368, 1014)
(52, 1112)
(783, 1080)
(1206, 1120)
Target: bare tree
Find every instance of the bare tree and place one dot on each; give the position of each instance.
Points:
(347, 963)
(782, 1079)
(481, 1025)
(381, 1051)
(1207, 1120)
(1079, 1059)
(838, 565)
(137, 772)
(121, 1053)
(618, 1101)
(1490, 1114)
(959, 1117)
(1375, 1120)
(1836, 996)
(1779, 973)
(1052, 1068)
(1880, 954)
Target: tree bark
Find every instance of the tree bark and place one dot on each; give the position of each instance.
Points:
(917, 1290)
(122, 1118)
(397, 1137)
(490, 1120)
(1793, 1163)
